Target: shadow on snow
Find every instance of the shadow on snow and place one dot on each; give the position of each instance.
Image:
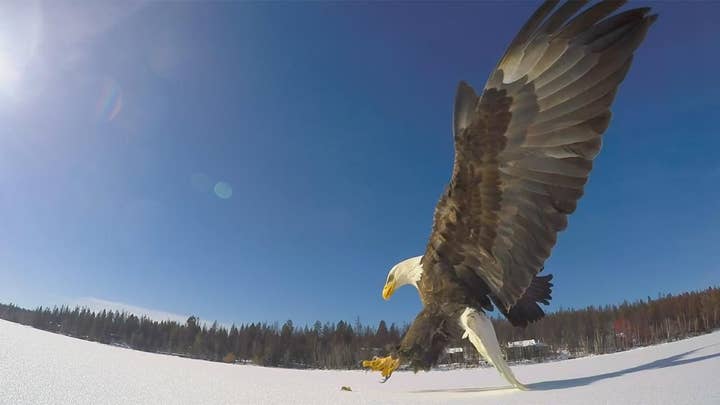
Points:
(671, 361)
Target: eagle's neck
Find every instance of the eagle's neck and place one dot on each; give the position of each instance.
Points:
(409, 271)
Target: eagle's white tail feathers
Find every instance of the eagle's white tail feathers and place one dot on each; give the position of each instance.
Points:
(480, 331)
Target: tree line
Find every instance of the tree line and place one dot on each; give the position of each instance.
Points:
(343, 345)
(611, 328)
(328, 345)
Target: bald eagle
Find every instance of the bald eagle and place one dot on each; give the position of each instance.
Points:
(524, 149)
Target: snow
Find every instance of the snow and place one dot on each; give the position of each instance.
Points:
(38, 367)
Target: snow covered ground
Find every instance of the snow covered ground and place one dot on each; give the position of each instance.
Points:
(38, 367)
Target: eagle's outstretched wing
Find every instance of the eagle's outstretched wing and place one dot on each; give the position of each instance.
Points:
(524, 148)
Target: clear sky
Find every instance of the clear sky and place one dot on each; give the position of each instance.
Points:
(254, 162)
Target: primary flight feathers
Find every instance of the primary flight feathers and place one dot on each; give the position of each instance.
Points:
(524, 147)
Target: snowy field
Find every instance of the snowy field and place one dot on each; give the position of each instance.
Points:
(38, 367)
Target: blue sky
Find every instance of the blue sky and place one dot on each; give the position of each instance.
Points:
(328, 129)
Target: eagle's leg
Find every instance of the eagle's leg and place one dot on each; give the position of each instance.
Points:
(385, 365)
(480, 331)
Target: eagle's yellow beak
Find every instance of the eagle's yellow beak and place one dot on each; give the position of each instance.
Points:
(388, 290)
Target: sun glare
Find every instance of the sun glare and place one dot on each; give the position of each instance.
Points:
(19, 38)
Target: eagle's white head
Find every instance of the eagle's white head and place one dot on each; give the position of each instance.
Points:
(406, 272)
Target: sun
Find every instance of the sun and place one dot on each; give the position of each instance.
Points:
(20, 35)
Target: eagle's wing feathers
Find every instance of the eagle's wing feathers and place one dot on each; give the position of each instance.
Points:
(524, 148)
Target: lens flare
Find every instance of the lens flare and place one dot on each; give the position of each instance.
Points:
(223, 190)
(110, 102)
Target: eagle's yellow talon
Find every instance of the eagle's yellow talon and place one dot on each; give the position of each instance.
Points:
(385, 365)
